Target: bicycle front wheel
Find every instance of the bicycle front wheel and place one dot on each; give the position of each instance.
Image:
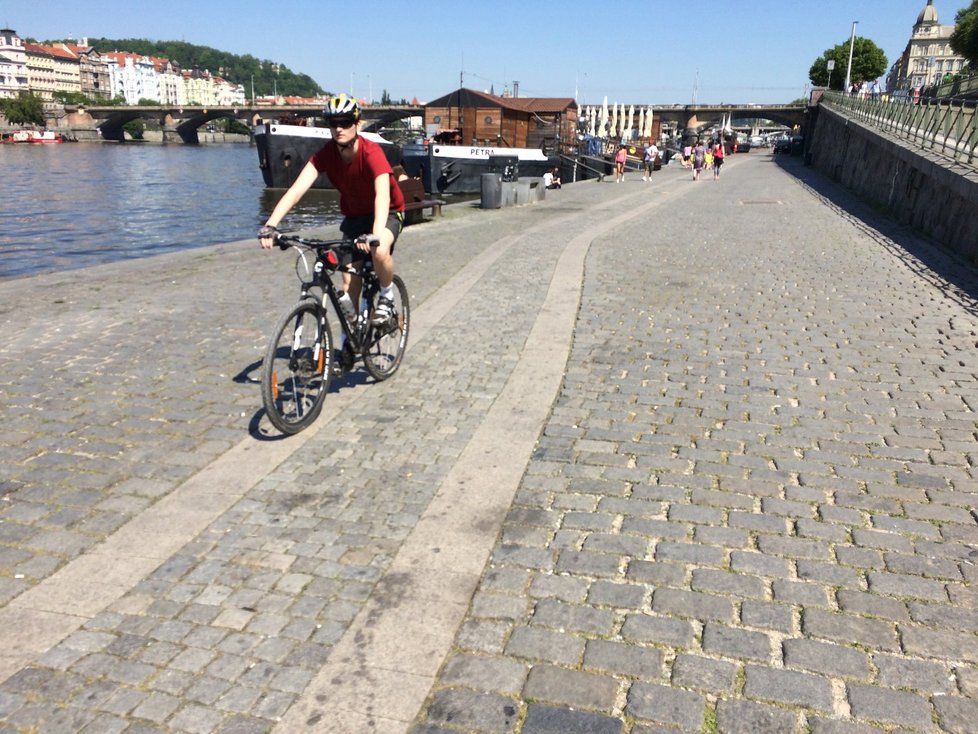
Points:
(385, 343)
(297, 367)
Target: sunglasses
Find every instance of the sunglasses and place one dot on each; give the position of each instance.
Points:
(342, 122)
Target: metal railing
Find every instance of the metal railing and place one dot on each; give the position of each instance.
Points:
(945, 126)
(959, 86)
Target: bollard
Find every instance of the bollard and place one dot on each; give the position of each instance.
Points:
(491, 190)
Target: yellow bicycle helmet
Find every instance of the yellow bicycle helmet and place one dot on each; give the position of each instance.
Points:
(342, 106)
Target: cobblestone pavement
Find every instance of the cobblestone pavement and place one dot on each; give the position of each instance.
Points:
(136, 380)
(750, 509)
(753, 506)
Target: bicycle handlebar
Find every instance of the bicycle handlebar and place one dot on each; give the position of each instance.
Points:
(284, 241)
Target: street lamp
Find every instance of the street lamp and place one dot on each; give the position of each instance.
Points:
(852, 43)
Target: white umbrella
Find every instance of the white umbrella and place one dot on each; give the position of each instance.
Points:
(641, 123)
(631, 120)
(604, 117)
(592, 121)
(648, 123)
(613, 130)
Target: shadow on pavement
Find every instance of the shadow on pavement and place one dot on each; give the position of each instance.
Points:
(263, 430)
(944, 269)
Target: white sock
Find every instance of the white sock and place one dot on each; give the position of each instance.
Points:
(387, 292)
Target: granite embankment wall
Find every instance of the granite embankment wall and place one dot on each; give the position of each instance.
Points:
(918, 188)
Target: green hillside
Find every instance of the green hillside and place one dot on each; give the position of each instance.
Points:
(268, 76)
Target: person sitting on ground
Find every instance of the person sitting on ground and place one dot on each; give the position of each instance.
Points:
(551, 179)
(370, 200)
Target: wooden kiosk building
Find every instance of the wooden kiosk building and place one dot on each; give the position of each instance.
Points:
(467, 117)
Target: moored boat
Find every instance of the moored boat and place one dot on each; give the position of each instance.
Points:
(284, 149)
(46, 137)
(457, 169)
(470, 133)
(33, 136)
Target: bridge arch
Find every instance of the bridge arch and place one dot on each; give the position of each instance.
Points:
(182, 123)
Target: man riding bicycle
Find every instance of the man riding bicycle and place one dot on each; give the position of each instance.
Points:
(370, 199)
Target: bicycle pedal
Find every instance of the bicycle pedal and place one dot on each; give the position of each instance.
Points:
(343, 362)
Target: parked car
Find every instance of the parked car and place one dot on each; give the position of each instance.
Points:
(782, 144)
(797, 145)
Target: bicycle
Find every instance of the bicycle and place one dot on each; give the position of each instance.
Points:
(300, 359)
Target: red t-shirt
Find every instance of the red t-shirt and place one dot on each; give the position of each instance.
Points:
(355, 180)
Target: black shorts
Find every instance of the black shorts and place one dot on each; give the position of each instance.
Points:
(353, 227)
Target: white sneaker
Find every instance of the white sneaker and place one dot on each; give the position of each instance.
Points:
(383, 312)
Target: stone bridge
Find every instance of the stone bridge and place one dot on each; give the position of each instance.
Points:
(692, 118)
(181, 123)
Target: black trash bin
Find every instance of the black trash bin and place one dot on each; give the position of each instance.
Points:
(508, 166)
(491, 188)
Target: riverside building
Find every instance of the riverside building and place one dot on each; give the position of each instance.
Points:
(928, 56)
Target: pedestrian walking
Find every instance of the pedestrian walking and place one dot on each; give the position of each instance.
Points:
(620, 164)
(651, 153)
(699, 159)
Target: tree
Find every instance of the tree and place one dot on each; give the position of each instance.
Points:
(135, 128)
(265, 75)
(868, 63)
(964, 40)
(24, 109)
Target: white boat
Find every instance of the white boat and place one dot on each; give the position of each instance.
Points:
(33, 136)
(285, 148)
(457, 169)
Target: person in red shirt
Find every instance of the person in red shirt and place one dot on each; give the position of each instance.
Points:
(370, 199)
(717, 159)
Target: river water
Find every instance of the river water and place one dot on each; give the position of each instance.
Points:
(79, 204)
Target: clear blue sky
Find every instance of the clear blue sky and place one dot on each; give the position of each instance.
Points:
(635, 53)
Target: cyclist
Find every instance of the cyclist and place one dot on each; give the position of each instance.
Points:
(370, 199)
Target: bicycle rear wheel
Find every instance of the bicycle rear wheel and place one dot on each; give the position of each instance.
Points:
(384, 346)
(297, 367)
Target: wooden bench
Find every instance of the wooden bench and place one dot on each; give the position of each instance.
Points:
(416, 201)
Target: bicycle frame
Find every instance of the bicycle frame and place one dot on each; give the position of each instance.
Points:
(322, 271)
(301, 356)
